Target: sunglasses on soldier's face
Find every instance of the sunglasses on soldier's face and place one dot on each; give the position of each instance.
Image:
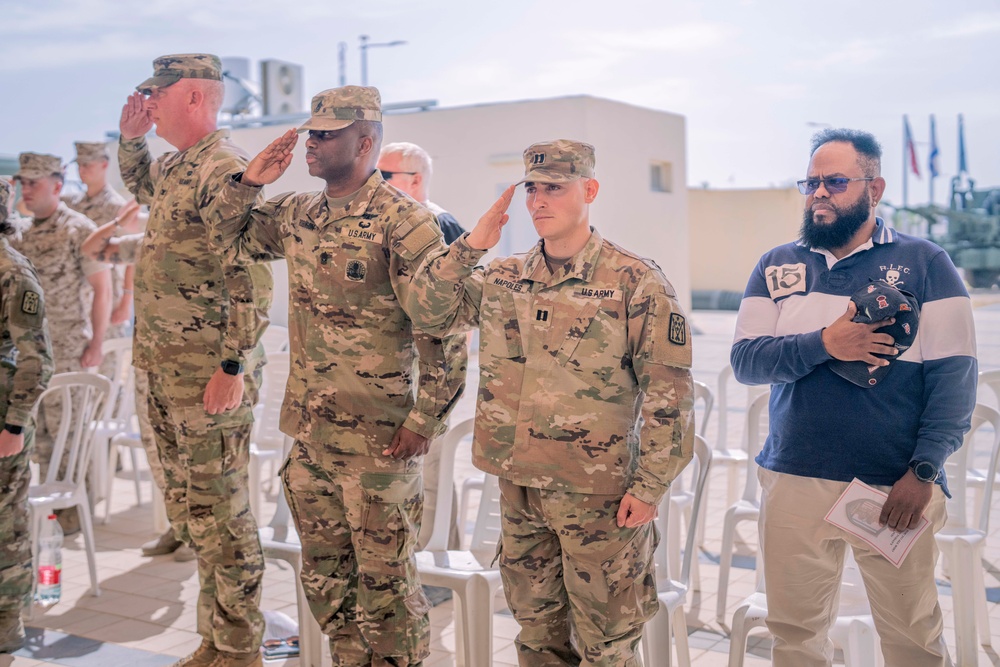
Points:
(834, 186)
(387, 175)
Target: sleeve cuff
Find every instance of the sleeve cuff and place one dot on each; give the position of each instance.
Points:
(238, 186)
(231, 353)
(813, 350)
(931, 452)
(424, 425)
(466, 254)
(132, 144)
(17, 416)
(647, 490)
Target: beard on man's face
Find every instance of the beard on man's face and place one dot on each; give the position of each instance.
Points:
(838, 233)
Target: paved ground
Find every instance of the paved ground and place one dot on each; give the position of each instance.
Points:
(145, 615)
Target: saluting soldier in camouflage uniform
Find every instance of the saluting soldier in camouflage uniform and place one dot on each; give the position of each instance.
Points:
(101, 204)
(353, 479)
(25, 369)
(77, 289)
(197, 332)
(579, 339)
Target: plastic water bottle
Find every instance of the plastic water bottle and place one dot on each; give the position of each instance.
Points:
(49, 588)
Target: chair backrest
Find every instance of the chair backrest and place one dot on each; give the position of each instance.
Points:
(989, 380)
(121, 399)
(274, 339)
(446, 483)
(703, 393)
(722, 400)
(700, 466)
(486, 533)
(755, 442)
(267, 434)
(957, 465)
(83, 397)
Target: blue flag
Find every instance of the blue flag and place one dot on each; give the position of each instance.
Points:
(962, 166)
(932, 158)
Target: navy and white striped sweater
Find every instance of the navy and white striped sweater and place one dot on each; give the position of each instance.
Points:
(823, 426)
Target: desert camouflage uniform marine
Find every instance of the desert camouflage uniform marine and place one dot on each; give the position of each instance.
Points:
(101, 208)
(358, 512)
(569, 363)
(184, 328)
(25, 369)
(52, 246)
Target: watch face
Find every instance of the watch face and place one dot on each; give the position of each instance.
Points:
(925, 472)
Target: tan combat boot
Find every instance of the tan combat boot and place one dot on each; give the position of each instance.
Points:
(11, 631)
(203, 656)
(224, 659)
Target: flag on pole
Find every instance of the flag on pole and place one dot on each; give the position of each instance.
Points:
(910, 148)
(932, 158)
(962, 167)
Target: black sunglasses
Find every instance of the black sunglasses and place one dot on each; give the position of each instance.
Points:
(387, 175)
(834, 185)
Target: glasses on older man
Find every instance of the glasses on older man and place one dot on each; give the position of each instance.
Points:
(834, 185)
(387, 175)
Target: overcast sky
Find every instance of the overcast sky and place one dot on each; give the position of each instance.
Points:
(754, 78)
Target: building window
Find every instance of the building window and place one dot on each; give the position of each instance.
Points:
(661, 177)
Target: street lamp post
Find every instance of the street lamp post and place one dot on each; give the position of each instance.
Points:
(365, 45)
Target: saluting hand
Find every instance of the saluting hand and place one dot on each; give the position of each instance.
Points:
(135, 121)
(855, 341)
(486, 233)
(271, 162)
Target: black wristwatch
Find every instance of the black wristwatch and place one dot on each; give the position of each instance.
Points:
(924, 471)
(13, 430)
(231, 367)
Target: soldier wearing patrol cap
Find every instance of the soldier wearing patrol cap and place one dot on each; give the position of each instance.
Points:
(353, 478)
(197, 331)
(25, 369)
(77, 289)
(582, 346)
(101, 203)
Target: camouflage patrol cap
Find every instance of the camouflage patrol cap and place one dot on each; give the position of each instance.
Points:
(4, 199)
(168, 70)
(38, 165)
(91, 151)
(559, 161)
(337, 108)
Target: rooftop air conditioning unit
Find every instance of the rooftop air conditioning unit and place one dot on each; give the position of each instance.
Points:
(282, 88)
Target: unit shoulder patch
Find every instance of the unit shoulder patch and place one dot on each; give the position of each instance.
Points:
(677, 334)
(30, 302)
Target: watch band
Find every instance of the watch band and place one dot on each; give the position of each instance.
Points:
(13, 429)
(230, 367)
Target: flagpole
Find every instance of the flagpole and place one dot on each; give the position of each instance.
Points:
(906, 166)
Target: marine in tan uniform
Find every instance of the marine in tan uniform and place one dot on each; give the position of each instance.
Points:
(25, 369)
(102, 204)
(197, 332)
(583, 347)
(77, 289)
(353, 479)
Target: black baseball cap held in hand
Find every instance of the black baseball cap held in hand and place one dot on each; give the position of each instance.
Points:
(879, 301)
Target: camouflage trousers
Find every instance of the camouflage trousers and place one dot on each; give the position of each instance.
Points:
(49, 417)
(358, 518)
(204, 459)
(146, 429)
(566, 564)
(15, 535)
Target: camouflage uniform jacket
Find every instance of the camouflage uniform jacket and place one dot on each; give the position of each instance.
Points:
(568, 365)
(53, 246)
(25, 350)
(190, 313)
(352, 345)
(101, 208)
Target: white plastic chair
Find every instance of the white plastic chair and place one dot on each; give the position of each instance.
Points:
(470, 574)
(274, 339)
(76, 439)
(975, 476)
(853, 630)
(267, 441)
(671, 591)
(747, 508)
(963, 542)
(117, 417)
(280, 541)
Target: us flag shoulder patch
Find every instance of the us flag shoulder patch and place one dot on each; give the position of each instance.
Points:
(29, 304)
(678, 332)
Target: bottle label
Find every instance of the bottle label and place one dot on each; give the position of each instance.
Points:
(49, 575)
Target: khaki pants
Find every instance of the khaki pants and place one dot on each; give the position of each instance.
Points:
(803, 560)
(358, 519)
(564, 561)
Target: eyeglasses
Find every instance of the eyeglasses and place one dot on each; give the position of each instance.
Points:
(387, 175)
(834, 185)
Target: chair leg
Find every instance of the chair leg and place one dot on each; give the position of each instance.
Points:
(112, 464)
(135, 475)
(738, 638)
(478, 616)
(982, 610)
(964, 603)
(87, 526)
(680, 633)
(36, 531)
(725, 564)
(656, 638)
